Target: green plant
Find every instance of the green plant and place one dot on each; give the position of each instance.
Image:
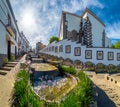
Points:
(64, 69)
(118, 68)
(77, 62)
(53, 38)
(89, 65)
(23, 95)
(85, 93)
(68, 62)
(13, 57)
(100, 67)
(111, 68)
(6, 60)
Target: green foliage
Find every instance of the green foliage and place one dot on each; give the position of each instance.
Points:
(117, 44)
(89, 65)
(13, 57)
(71, 100)
(113, 46)
(85, 93)
(81, 96)
(6, 60)
(53, 38)
(111, 68)
(68, 62)
(118, 68)
(77, 62)
(70, 69)
(100, 67)
(23, 95)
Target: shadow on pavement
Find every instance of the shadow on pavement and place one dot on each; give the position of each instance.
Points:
(102, 99)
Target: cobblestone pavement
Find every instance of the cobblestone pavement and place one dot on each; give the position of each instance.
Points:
(107, 94)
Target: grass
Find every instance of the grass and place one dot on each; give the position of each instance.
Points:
(23, 96)
(64, 69)
(81, 95)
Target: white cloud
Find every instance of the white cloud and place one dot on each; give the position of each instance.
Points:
(113, 31)
(40, 19)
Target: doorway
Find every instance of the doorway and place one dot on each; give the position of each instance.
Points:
(9, 50)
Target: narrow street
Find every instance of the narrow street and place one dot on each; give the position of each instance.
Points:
(107, 94)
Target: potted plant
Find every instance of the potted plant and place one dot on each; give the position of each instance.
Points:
(6, 60)
(13, 57)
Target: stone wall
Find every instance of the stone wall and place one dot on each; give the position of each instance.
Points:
(77, 51)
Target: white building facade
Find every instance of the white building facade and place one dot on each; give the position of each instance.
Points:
(23, 44)
(83, 38)
(9, 32)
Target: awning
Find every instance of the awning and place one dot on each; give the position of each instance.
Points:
(11, 39)
(10, 29)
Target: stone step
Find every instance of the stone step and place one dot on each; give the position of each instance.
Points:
(6, 68)
(3, 72)
(10, 65)
(14, 63)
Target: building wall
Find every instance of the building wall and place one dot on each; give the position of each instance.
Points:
(97, 30)
(5, 9)
(61, 31)
(3, 42)
(73, 22)
(82, 56)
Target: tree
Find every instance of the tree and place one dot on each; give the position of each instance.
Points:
(53, 38)
(117, 44)
(113, 46)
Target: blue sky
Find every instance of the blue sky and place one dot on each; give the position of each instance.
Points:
(40, 19)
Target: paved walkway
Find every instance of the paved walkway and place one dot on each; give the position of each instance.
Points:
(7, 84)
(6, 88)
(108, 94)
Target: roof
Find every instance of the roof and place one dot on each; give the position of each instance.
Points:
(71, 14)
(86, 10)
(65, 12)
(90, 12)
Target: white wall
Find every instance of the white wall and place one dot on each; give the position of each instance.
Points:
(73, 22)
(82, 56)
(61, 30)
(4, 11)
(3, 42)
(97, 30)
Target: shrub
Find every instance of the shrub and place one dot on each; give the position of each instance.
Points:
(89, 65)
(85, 92)
(118, 68)
(61, 59)
(6, 60)
(77, 62)
(68, 62)
(64, 69)
(111, 68)
(81, 96)
(23, 95)
(100, 67)
(13, 57)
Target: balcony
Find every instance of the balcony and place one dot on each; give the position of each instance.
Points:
(10, 28)
(11, 39)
